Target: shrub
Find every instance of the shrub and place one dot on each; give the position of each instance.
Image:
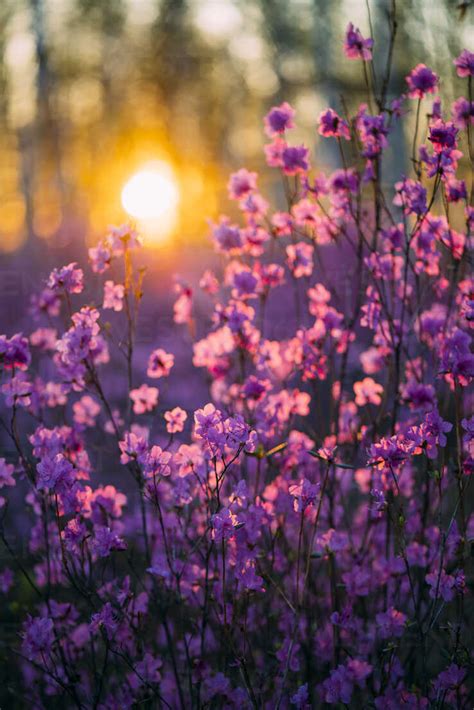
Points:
(304, 542)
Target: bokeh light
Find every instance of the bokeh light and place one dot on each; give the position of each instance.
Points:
(151, 196)
(150, 193)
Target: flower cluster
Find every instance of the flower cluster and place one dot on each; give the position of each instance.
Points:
(301, 538)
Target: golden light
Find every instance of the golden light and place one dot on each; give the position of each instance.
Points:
(151, 196)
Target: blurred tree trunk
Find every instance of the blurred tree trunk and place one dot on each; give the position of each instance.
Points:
(282, 38)
(323, 54)
(5, 13)
(47, 138)
(395, 163)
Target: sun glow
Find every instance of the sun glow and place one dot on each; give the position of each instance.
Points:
(151, 196)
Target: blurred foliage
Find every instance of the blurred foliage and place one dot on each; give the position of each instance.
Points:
(91, 89)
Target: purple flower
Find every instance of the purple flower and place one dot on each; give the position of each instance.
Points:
(421, 81)
(338, 688)
(209, 424)
(104, 619)
(106, 541)
(160, 567)
(245, 283)
(122, 238)
(227, 236)
(80, 343)
(394, 699)
(436, 109)
(391, 623)
(411, 195)
(300, 259)
(387, 452)
(332, 125)
(344, 180)
(372, 133)
(356, 46)
(468, 426)
(54, 473)
(247, 577)
(301, 697)
(74, 535)
(464, 64)
(68, 278)
(417, 554)
(47, 303)
(14, 352)
(106, 501)
(462, 112)
(294, 159)
(6, 473)
(175, 419)
(38, 636)
(17, 392)
(217, 685)
(241, 184)
(304, 494)
(160, 364)
(357, 581)
(113, 296)
(86, 411)
(450, 678)
(455, 190)
(443, 135)
(444, 163)
(441, 584)
(237, 430)
(332, 540)
(279, 119)
(6, 580)
(157, 462)
(434, 432)
(223, 524)
(132, 447)
(146, 671)
(371, 310)
(419, 396)
(99, 258)
(456, 357)
(145, 398)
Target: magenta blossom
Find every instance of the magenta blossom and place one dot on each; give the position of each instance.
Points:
(464, 64)
(160, 364)
(391, 623)
(144, 399)
(223, 525)
(367, 392)
(443, 135)
(300, 259)
(175, 420)
(113, 296)
(241, 184)
(294, 160)
(14, 352)
(332, 125)
(304, 494)
(38, 636)
(356, 46)
(99, 258)
(421, 81)
(462, 112)
(279, 119)
(69, 279)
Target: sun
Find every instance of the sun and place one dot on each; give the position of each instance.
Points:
(152, 194)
